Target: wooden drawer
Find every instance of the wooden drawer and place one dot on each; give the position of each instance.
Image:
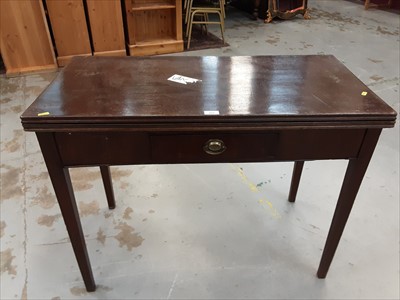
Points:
(96, 148)
(209, 147)
(119, 148)
(314, 144)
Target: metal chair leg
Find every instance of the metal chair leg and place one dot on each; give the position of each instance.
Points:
(190, 30)
(222, 27)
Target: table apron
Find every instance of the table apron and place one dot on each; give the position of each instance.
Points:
(124, 148)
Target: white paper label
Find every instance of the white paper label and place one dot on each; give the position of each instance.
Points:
(211, 112)
(183, 79)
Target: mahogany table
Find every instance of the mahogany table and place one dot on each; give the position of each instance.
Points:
(103, 111)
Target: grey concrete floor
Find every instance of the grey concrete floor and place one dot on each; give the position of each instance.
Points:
(221, 231)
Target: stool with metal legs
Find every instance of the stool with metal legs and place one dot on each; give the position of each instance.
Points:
(204, 11)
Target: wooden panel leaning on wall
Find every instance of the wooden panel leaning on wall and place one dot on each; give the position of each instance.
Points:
(24, 36)
(105, 18)
(70, 30)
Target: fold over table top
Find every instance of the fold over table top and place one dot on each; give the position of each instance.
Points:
(121, 92)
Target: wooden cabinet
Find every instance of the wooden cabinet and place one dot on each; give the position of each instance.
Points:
(154, 26)
(106, 27)
(25, 39)
(70, 31)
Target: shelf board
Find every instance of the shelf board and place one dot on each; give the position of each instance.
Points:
(151, 6)
(154, 47)
(154, 42)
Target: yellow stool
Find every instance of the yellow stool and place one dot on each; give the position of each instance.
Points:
(208, 8)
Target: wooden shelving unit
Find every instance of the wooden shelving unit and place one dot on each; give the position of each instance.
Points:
(154, 26)
(30, 42)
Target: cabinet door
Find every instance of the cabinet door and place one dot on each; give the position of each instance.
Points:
(68, 23)
(106, 26)
(25, 39)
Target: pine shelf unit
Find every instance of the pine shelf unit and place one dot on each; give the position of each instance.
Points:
(154, 26)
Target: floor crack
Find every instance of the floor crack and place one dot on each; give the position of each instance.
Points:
(172, 286)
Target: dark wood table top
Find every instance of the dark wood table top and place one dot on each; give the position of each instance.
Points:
(312, 90)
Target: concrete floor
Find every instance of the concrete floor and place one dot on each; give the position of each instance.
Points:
(214, 231)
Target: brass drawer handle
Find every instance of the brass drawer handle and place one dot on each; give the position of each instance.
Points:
(214, 147)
